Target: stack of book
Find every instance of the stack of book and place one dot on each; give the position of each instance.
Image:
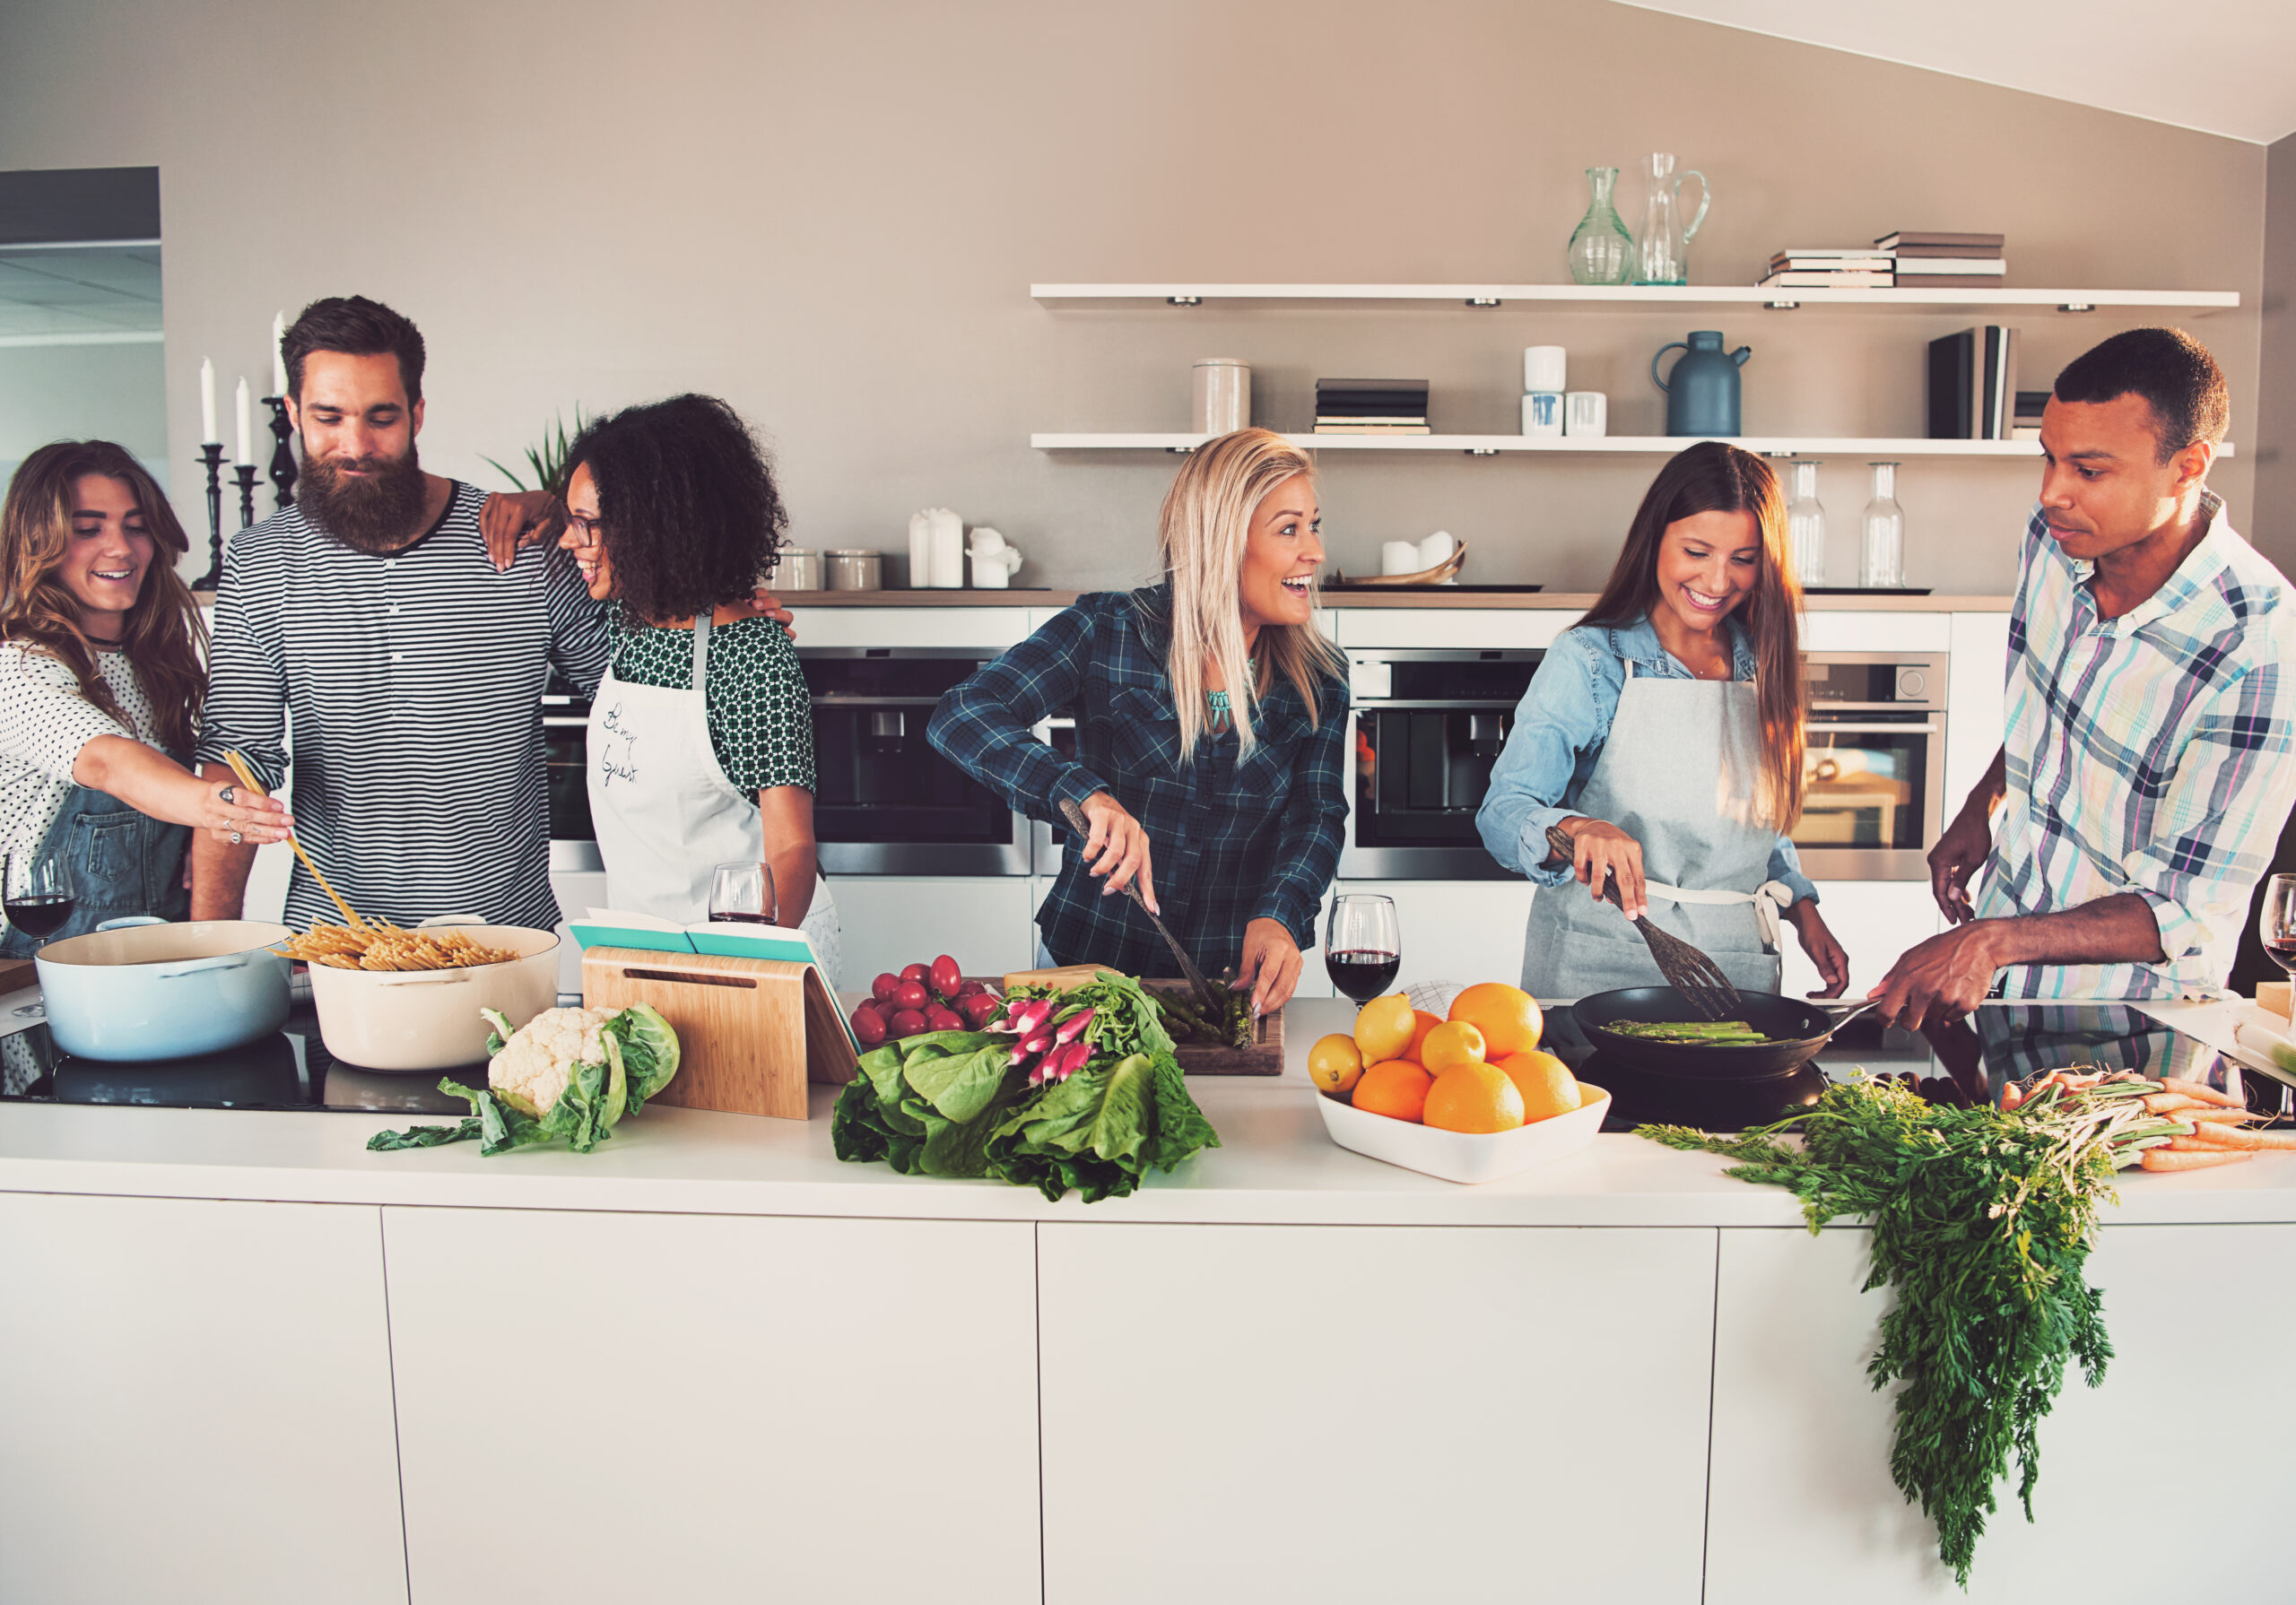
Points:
(1371, 407)
(1926, 259)
(1828, 268)
(2031, 404)
(1973, 392)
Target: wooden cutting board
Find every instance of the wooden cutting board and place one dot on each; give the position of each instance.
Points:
(15, 973)
(1263, 1057)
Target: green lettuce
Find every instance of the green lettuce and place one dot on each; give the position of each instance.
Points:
(641, 1055)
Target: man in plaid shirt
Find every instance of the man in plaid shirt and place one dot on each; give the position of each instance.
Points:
(2147, 773)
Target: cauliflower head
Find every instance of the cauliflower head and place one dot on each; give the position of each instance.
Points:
(531, 1073)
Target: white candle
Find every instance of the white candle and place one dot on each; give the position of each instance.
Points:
(208, 435)
(246, 452)
(278, 357)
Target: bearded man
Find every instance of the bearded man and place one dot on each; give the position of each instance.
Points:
(371, 614)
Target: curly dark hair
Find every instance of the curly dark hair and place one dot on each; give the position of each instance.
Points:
(688, 510)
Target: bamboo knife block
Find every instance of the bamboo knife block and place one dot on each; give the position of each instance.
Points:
(752, 1032)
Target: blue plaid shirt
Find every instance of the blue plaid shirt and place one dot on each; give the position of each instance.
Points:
(2149, 754)
(1234, 839)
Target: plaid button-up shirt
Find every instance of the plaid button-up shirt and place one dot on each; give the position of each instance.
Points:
(2149, 754)
(1233, 838)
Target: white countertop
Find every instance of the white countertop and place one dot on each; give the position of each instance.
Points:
(1275, 1166)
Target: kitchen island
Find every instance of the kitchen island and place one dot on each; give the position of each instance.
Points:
(710, 1362)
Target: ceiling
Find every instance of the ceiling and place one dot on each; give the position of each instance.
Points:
(79, 294)
(2220, 66)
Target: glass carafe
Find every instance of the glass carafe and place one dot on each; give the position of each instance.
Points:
(1881, 546)
(1601, 251)
(1663, 253)
(1806, 522)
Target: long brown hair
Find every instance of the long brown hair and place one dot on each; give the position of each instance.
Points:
(1712, 477)
(165, 638)
(1207, 516)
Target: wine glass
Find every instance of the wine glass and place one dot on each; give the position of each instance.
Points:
(743, 892)
(2276, 922)
(37, 890)
(1362, 946)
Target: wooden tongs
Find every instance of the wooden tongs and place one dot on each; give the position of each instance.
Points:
(240, 767)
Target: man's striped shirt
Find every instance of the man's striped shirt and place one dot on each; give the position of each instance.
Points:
(2149, 754)
(411, 682)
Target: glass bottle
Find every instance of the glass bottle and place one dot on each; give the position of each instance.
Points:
(1601, 250)
(1882, 565)
(1663, 256)
(1806, 522)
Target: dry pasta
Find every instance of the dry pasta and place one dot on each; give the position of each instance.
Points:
(382, 946)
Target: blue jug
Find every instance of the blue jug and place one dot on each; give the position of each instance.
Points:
(1702, 391)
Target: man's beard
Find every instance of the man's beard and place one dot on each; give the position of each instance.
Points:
(375, 512)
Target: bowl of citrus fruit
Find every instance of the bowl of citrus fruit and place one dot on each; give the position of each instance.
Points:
(1469, 1097)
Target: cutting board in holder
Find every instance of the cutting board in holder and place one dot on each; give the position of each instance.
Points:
(752, 1032)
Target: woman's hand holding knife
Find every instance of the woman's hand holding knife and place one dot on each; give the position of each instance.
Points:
(1116, 850)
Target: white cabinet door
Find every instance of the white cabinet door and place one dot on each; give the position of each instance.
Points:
(2181, 1433)
(194, 1403)
(1367, 1413)
(1460, 930)
(1874, 920)
(1976, 707)
(986, 922)
(617, 1407)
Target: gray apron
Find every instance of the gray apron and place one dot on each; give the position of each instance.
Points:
(123, 862)
(1677, 773)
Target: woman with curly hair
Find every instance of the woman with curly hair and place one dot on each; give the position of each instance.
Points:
(702, 735)
(100, 683)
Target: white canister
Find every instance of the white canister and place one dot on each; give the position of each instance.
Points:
(1437, 549)
(1585, 414)
(1224, 396)
(1399, 556)
(920, 549)
(1543, 414)
(1542, 369)
(948, 550)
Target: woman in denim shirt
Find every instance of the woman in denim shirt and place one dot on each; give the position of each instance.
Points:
(1211, 733)
(1663, 735)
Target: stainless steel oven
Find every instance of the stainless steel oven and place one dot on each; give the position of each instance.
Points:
(1874, 765)
(566, 742)
(885, 804)
(1430, 723)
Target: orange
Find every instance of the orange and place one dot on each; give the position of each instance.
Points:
(1474, 1096)
(1396, 1087)
(1547, 1085)
(1334, 1064)
(1423, 1022)
(1509, 1017)
(1382, 1027)
(1454, 1042)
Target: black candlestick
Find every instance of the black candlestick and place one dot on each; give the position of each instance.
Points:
(283, 460)
(213, 455)
(247, 494)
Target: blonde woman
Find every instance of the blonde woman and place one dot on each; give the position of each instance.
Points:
(1211, 733)
(100, 683)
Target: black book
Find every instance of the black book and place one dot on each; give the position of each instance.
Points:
(1973, 384)
(1972, 243)
(1395, 396)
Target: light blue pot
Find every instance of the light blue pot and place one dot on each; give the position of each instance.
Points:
(139, 989)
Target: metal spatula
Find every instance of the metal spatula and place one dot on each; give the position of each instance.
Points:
(1206, 994)
(1687, 970)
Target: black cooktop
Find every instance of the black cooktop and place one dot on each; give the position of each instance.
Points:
(288, 1069)
(1968, 1063)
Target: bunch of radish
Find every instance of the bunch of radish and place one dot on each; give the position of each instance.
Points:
(924, 997)
(1053, 1050)
(2163, 1125)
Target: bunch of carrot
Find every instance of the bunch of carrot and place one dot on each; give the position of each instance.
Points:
(2164, 1124)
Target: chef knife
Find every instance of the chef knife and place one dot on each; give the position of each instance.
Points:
(1207, 994)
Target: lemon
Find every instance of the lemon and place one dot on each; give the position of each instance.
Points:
(1334, 1064)
(1382, 1027)
(1453, 1043)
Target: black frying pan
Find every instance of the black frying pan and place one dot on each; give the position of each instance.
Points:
(1802, 1030)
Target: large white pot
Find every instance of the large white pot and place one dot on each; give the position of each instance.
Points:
(141, 989)
(426, 1019)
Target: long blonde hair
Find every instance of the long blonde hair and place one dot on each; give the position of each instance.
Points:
(165, 638)
(1205, 523)
(1715, 477)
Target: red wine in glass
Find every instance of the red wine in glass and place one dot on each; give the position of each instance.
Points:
(1359, 973)
(36, 892)
(740, 917)
(2276, 922)
(40, 915)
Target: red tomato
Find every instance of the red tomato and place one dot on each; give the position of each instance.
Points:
(868, 1025)
(907, 1022)
(912, 995)
(884, 986)
(917, 973)
(937, 1019)
(979, 1009)
(947, 976)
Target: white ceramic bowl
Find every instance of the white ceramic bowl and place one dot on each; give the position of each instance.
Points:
(428, 1019)
(1463, 1155)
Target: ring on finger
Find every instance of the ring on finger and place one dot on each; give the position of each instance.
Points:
(228, 795)
(235, 838)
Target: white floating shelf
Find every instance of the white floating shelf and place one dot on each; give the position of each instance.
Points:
(1649, 296)
(1659, 445)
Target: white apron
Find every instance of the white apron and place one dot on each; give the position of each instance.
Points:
(664, 813)
(1677, 773)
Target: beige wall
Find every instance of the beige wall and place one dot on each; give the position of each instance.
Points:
(2274, 519)
(830, 215)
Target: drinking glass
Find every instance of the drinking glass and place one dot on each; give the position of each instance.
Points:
(2276, 920)
(37, 890)
(743, 892)
(1362, 945)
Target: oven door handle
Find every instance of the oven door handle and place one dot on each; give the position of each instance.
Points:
(564, 721)
(1826, 728)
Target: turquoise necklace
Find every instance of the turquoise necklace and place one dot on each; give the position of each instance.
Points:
(1223, 717)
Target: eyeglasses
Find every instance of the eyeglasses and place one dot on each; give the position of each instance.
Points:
(586, 530)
